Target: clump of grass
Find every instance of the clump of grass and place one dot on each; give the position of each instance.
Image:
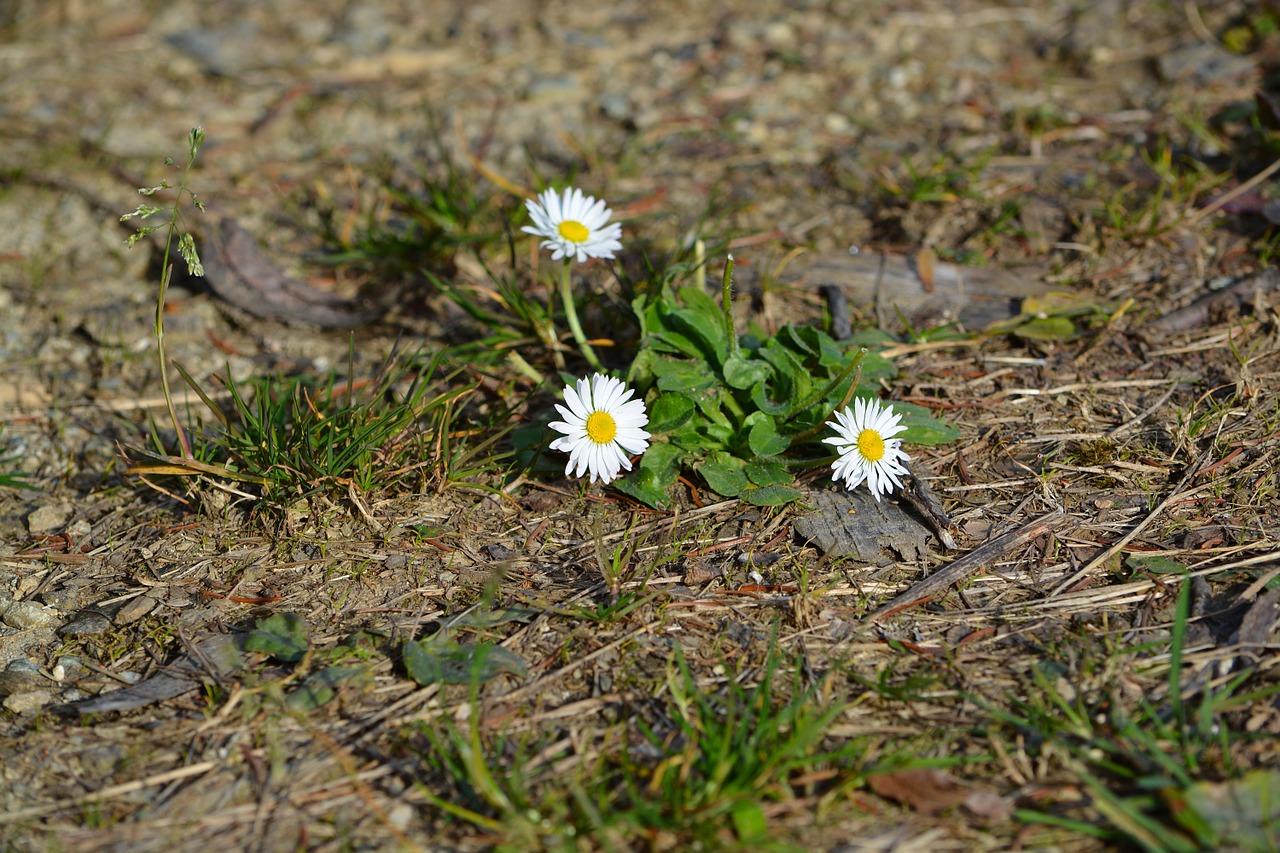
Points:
(708, 769)
(418, 217)
(1135, 758)
(293, 437)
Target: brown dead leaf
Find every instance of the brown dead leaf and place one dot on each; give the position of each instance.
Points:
(242, 274)
(928, 791)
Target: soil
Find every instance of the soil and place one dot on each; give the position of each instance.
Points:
(986, 152)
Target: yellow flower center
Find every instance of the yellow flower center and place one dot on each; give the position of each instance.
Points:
(870, 445)
(601, 427)
(574, 232)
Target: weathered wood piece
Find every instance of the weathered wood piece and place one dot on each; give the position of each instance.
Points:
(925, 293)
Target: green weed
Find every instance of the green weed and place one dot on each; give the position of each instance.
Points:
(186, 248)
(417, 218)
(729, 407)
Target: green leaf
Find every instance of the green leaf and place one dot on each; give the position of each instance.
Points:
(762, 402)
(1155, 564)
(872, 338)
(691, 438)
(281, 635)
(670, 411)
(772, 495)
(706, 332)
(682, 375)
(700, 301)
(670, 341)
(644, 487)
(321, 687)
(814, 344)
(1243, 814)
(484, 617)
(1047, 329)
(742, 373)
(923, 427)
(768, 471)
(749, 822)
(876, 367)
(789, 372)
(724, 474)
(432, 661)
(657, 472)
(763, 439)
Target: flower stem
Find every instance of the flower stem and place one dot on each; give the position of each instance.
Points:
(726, 292)
(571, 314)
(194, 140)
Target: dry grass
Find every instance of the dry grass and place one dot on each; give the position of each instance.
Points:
(1091, 666)
(1166, 465)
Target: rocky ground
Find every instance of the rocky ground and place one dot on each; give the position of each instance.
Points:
(980, 154)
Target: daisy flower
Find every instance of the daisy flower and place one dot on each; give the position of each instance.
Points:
(867, 447)
(601, 426)
(574, 225)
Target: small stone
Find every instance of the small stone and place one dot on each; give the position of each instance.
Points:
(498, 551)
(25, 703)
(70, 667)
(20, 681)
(617, 107)
(29, 614)
(88, 623)
(400, 816)
(48, 519)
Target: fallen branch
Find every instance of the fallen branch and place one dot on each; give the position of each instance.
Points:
(1205, 309)
(971, 563)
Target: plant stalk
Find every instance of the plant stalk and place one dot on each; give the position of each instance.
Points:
(571, 314)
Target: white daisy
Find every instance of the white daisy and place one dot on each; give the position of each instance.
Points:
(574, 225)
(601, 426)
(867, 447)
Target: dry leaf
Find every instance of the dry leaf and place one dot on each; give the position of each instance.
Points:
(927, 790)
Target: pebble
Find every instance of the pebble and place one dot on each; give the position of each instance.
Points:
(86, 624)
(25, 703)
(21, 681)
(1204, 64)
(48, 518)
(365, 30)
(617, 107)
(400, 816)
(80, 529)
(222, 51)
(68, 667)
(29, 614)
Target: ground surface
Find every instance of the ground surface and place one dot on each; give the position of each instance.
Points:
(1034, 145)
